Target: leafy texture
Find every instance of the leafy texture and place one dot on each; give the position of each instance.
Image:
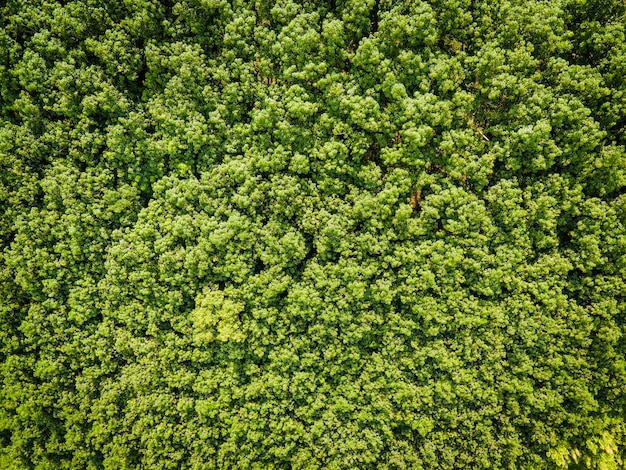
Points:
(334, 234)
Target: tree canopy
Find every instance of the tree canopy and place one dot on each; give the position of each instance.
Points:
(312, 234)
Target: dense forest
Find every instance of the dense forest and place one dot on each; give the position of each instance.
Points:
(312, 234)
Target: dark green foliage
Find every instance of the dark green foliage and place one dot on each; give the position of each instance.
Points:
(296, 234)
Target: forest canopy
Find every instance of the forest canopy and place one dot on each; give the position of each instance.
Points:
(339, 234)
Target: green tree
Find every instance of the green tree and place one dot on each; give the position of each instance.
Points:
(295, 234)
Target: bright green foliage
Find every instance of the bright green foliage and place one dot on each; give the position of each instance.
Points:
(314, 235)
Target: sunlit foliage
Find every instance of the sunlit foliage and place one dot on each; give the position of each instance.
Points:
(312, 234)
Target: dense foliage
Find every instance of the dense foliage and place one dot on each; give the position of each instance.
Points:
(312, 234)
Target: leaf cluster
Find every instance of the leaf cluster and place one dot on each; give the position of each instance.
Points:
(294, 234)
